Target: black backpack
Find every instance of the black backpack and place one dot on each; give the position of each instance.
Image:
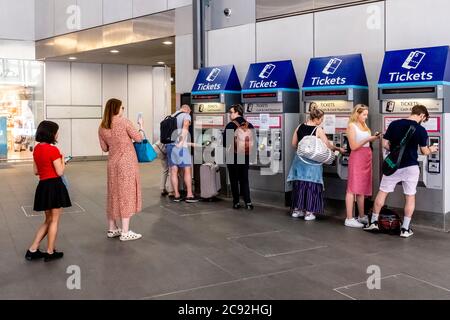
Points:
(167, 127)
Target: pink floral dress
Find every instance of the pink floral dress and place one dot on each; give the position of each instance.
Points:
(124, 185)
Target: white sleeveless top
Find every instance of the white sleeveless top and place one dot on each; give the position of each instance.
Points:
(361, 135)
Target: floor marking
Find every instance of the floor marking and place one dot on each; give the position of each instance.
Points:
(41, 213)
(218, 284)
(253, 234)
(220, 267)
(293, 251)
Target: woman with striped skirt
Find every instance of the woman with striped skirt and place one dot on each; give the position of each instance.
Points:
(307, 175)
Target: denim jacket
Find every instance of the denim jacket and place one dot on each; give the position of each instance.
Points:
(300, 170)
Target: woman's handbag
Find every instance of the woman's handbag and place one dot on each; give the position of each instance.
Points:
(144, 150)
(312, 148)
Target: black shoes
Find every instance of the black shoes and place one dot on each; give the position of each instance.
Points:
(39, 254)
(249, 206)
(54, 256)
(236, 206)
(174, 199)
(164, 193)
(191, 200)
(34, 255)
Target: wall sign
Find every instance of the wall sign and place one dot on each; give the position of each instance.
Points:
(414, 66)
(330, 106)
(209, 107)
(406, 105)
(263, 107)
(336, 71)
(216, 80)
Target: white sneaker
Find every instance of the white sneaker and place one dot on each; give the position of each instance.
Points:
(130, 235)
(114, 233)
(406, 233)
(364, 220)
(297, 214)
(353, 223)
(310, 217)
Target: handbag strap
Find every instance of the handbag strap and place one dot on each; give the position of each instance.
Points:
(313, 133)
(145, 136)
(405, 140)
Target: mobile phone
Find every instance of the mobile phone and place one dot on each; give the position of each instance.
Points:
(377, 133)
(67, 159)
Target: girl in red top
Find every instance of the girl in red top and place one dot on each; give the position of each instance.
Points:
(51, 193)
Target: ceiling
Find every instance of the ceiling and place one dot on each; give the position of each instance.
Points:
(138, 53)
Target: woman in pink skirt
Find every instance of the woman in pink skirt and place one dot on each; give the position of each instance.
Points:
(116, 135)
(359, 166)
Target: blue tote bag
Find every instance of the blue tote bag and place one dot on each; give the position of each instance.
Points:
(144, 150)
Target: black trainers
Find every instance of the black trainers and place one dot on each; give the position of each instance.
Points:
(406, 233)
(34, 255)
(191, 199)
(372, 227)
(164, 193)
(175, 199)
(236, 206)
(55, 255)
(249, 206)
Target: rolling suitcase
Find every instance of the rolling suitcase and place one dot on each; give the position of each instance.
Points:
(209, 180)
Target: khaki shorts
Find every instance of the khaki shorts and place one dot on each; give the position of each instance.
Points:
(409, 177)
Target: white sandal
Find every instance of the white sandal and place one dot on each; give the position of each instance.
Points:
(114, 233)
(130, 235)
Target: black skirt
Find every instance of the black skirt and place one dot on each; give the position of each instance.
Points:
(51, 194)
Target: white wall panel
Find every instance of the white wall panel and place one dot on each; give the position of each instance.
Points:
(62, 17)
(86, 84)
(234, 45)
(16, 49)
(74, 112)
(64, 136)
(161, 98)
(17, 19)
(281, 40)
(117, 10)
(45, 19)
(85, 137)
(183, 21)
(171, 4)
(184, 72)
(115, 83)
(57, 83)
(140, 95)
(417, 23)
(91, 13)
(145, 7)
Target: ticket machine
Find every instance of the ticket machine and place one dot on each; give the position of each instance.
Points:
(215, 90)
(335, 85)
(421, 76)
(271, 99)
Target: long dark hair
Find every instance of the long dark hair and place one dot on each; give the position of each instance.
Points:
(112, 108)
(46, 132)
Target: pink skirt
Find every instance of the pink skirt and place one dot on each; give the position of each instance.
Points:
(360, 172)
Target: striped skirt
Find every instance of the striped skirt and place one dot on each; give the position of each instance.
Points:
(307, 196)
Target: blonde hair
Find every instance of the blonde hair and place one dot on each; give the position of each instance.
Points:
(357, 110)
(315, 113)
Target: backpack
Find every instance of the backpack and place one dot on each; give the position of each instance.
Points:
(243, 138)
(389, 221)
(392, 162)
(167, 127)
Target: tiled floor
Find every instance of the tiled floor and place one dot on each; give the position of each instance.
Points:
(206, 250)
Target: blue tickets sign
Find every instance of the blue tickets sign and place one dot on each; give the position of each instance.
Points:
(271, 76)
(416, 67)
(217, 80)
(336, 72)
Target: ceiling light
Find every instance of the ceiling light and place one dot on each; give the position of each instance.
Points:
(114, 51)
(168, 43)
(161, 62)
(72, 58)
